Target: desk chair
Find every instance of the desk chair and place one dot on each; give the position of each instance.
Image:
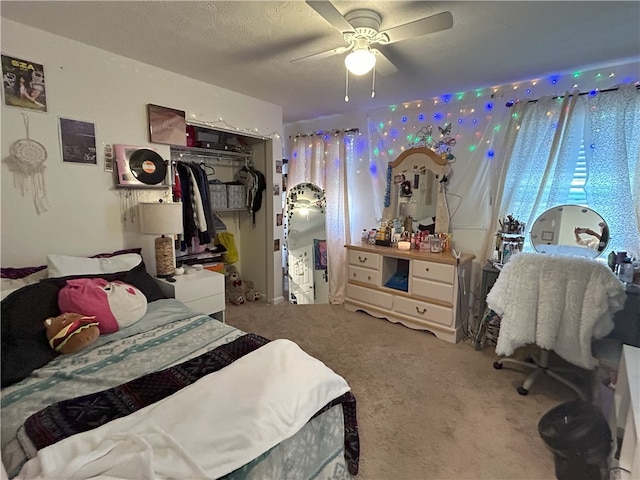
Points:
(559, 303)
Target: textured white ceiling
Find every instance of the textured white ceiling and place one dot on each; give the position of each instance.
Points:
(246, 46)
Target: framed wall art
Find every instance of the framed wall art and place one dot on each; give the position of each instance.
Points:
(23, 84)
(78, 141)
(167, 125)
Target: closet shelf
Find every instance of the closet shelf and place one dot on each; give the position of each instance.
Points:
(209, 153)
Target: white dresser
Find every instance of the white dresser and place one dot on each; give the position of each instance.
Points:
(421, 290)
(202, 291)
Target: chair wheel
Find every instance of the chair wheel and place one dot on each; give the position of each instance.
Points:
(522, 391)
(497, 365)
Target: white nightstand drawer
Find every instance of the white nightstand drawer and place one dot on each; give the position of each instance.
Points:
(207, 305)
(196, 285)
(364, 275)
(364, 259)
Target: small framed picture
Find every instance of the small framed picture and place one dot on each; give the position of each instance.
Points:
(547, 236)
(276, 189)
(276, 245)
(167, 125)
(24, 85)
(78, 141)
(278, 219)
(278, 166)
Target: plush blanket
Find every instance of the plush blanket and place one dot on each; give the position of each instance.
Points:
(276, 389)
(559, 303)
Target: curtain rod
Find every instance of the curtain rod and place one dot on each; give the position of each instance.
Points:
(350, 130)
(613, 89)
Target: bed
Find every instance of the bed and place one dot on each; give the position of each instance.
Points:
(174, 395)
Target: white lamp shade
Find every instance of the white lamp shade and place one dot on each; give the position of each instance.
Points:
(360, 61)
(160, 218)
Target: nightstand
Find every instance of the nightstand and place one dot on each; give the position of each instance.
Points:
(201, 291)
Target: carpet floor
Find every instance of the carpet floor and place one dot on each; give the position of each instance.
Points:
(427, 409)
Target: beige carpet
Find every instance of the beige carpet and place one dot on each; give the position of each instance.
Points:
(427, 409)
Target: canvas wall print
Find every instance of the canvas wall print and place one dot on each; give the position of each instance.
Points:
(167, 125)
(78, 141)
(23, 84)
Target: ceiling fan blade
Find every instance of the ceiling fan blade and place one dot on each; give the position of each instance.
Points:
(265, 51)
(384, 66)
(331, 14)
(317, 56)
(418, 28)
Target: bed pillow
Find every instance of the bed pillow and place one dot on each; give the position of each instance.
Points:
(24, 338)
(137, 276)
(65, 265)
(22, 272)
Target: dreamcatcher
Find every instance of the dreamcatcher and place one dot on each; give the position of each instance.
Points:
(26, 162)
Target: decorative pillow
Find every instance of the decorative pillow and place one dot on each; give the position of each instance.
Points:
(137, 276)
(17, 273)
(8, 285)
(65, 265)
(114, 305)
(71, 332)
(24, 339)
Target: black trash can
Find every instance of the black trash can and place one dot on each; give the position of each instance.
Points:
(579, 436)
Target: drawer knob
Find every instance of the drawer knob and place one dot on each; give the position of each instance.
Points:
(362, 259)
(354, 274)
(427, 269)
(421, 312)
(369, 277)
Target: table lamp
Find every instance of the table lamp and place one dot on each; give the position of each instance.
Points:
(162, 219)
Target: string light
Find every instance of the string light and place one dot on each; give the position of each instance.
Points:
(221, 123)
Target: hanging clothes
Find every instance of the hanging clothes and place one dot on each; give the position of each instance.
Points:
(193, 207)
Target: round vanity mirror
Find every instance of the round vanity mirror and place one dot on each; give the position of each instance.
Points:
(570, 230)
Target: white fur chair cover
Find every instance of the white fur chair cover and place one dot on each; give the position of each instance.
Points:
(557, 302)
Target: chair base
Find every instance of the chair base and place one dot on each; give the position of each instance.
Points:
(540, 367)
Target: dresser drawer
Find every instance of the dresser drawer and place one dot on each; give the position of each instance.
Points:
(373, 297)
(423, 310)
(440, 272)
(364, 259)
(436, 290)
(364, 275)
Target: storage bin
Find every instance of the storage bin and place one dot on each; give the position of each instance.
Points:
(218, 194)
(236, 197)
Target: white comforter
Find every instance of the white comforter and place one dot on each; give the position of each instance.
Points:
(557, 302)
(207, 429)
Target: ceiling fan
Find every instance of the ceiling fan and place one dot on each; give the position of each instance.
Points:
(361, 30)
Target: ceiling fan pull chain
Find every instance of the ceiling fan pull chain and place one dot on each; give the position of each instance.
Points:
(373, 86)
(346, 94)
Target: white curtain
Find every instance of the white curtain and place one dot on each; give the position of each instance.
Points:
(322, 160)
(542, 147)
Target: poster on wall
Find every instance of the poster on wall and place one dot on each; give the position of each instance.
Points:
(167, 125)
(78, 141)
(23, 84)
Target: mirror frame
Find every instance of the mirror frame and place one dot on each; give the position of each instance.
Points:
(417, 158)
(541, 227)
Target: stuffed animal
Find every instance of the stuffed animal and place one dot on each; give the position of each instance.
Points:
(238, 291)
(71, 332)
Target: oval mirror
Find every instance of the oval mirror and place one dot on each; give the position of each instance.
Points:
(307, 245)
(570, 230)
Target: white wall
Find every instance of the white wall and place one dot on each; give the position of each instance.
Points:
(86, 83)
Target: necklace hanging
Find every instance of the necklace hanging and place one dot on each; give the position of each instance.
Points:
(26, 162)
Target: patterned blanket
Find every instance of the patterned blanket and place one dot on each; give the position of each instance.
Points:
(83, 413)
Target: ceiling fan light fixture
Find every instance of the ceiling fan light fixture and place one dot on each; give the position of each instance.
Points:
(360, 61)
